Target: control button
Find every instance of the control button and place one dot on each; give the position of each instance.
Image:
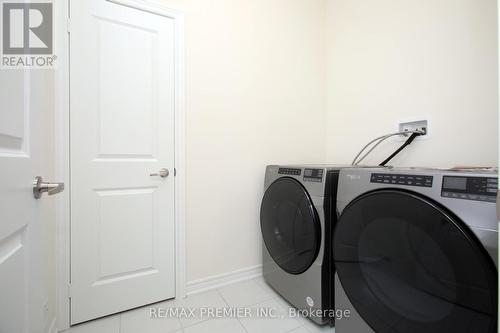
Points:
(404, 180)
(315, 180)
(468, 196)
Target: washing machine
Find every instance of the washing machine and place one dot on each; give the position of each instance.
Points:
(297, 217)
(416, 250)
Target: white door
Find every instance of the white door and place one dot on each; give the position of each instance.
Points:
(26, 224)
(122, 135)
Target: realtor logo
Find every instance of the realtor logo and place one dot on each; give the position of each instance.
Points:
(27, 35)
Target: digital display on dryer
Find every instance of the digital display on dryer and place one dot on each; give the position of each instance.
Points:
(470, 188)
(455, 183)
(313, 175)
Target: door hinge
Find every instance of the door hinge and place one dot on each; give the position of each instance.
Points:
(68, 25)
(175, 172)
(69, 290)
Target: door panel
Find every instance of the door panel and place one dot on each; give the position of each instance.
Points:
(13, 120)
(13, 279)
(17, 209)
(128, 109)
(129, 210)
(25, 223)
(122, 130)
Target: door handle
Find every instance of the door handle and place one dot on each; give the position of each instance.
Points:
(163, 173)
(39, 187)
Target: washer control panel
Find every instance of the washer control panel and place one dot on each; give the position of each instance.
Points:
(290, 171)
(313, 175)
(406, 180)
(470, 188)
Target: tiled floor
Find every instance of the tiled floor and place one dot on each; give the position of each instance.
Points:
(251, 294)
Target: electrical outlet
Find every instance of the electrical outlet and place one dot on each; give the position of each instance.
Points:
(417, 125)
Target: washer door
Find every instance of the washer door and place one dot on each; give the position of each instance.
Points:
(407, 265)
(290, 226)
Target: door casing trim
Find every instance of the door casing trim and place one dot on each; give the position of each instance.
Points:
(62, 150)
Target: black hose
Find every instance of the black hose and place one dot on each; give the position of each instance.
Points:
(407, 143)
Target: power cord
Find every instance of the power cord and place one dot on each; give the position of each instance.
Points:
(403, 146)
(381, 139)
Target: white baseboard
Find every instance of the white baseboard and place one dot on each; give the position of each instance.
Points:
(53, 326)
(221, 280)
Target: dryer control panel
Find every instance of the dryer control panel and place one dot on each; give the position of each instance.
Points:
(313, 175)
(397, 179)
(289, 171)
(470, 188)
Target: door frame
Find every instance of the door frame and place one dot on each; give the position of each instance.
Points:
(62, 149)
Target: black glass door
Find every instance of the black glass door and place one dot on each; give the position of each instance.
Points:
(290, 226)
(409, 266)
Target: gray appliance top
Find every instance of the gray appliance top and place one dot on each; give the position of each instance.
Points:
(466, 170)
(468, 194)
(311, 176)
(312, 166)
(471, 194)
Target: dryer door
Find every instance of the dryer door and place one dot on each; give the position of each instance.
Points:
(407, 265)
(290, 226)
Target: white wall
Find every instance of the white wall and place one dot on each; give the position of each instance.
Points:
(255, 96)
(295, 81)
(397, 59)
